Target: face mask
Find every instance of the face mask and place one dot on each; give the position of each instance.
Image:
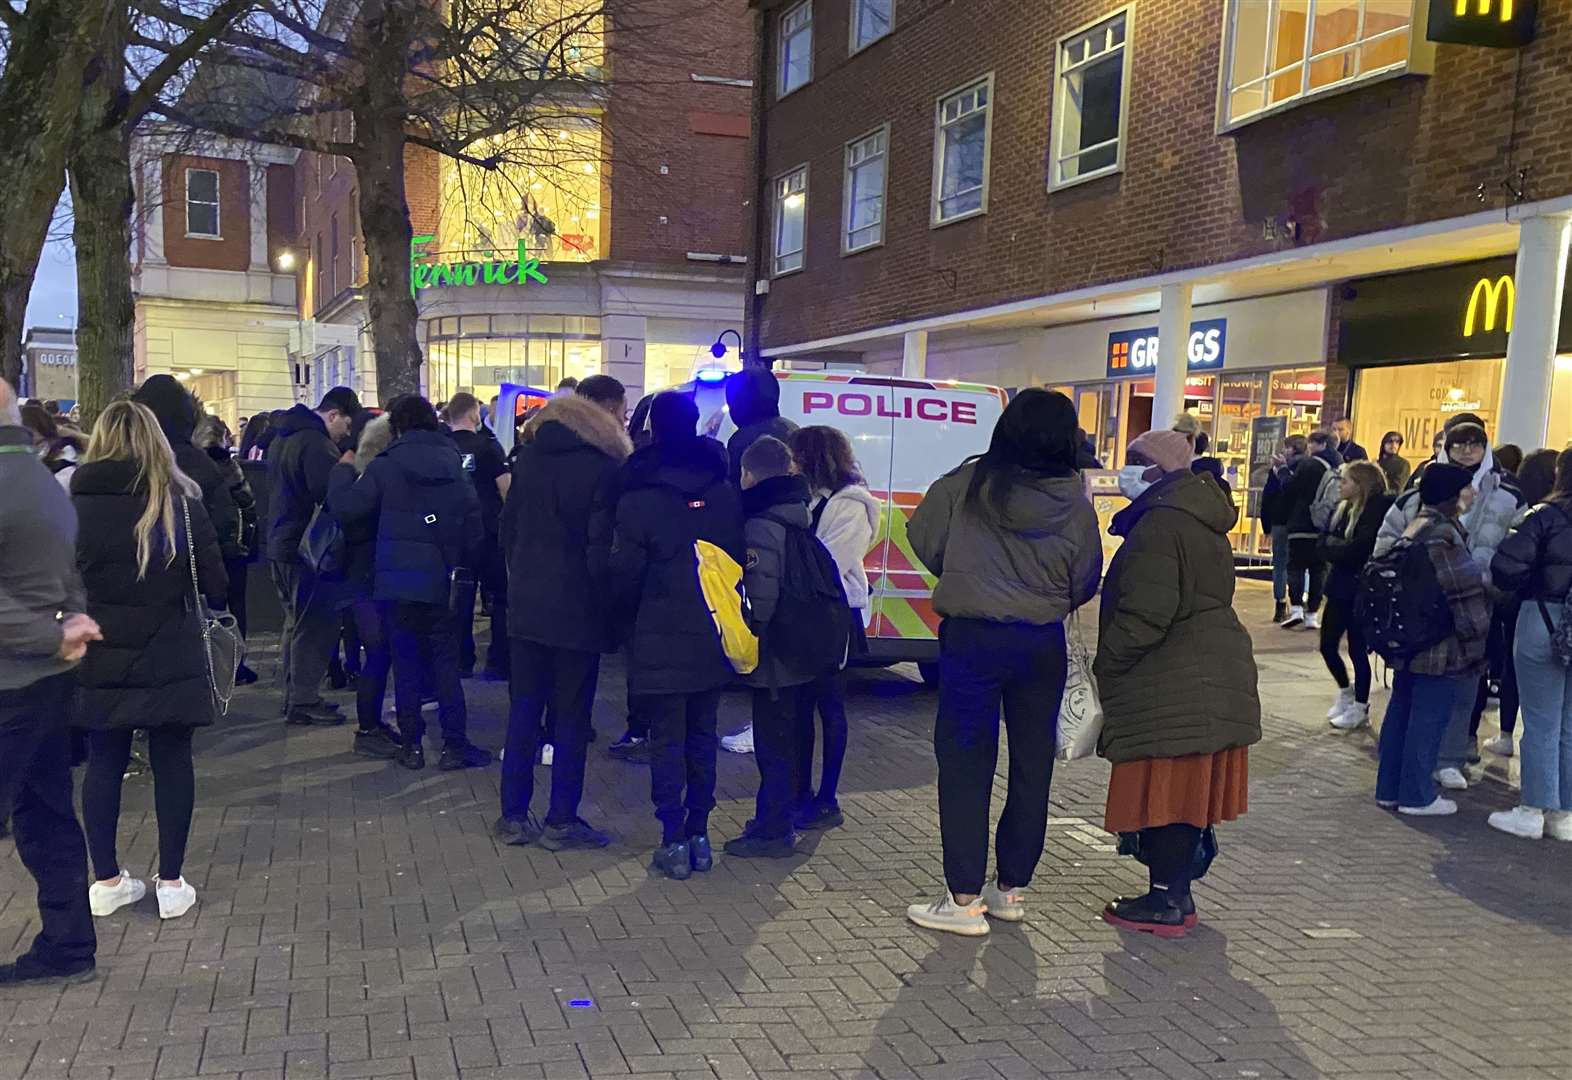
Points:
(1133, 482)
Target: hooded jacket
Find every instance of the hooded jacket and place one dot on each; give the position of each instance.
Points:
(360, 539)
(1036, 566)
(1346, 546)
(1175, 669)
(556, 525)
(1298, 494)
(753, 396)
(1535, 560)
(427, 515)
(1497, 502)
(177, 414)
(848, 522)
(771, 507)
(673, 493)
(299, 459)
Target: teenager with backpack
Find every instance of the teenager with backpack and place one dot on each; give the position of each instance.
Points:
(1013, 540)
(675, 492)
(1534, 564)
(1309, 495)
(1427, 614)
(1345, 547)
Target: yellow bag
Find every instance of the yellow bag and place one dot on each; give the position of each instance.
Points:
(720, 578)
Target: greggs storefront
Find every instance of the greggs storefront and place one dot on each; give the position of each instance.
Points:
(1427, 344)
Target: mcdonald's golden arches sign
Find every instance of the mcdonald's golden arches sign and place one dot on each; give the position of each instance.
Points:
(1494, 24)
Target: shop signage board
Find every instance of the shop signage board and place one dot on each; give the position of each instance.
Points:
(1493, 24)
(429, 273)
(1266, 435)
(1133, 353)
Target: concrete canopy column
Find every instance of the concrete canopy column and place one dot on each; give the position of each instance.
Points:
(622, 340)
(1539, 281)
(1173, 351)
(914, 355)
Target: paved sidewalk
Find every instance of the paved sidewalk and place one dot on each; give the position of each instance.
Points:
(356, 920)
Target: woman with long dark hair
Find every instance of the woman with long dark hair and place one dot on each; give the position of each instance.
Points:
(1346, 546)
(1013, 540)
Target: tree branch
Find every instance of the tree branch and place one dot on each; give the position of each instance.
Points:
(266, 134)
(198, 37)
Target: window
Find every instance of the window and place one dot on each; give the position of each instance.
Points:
(1279, 51)
(796, 49)
(865, 186)
(202, 203)
(320, 298)
(333, 261)
(1090, 94)
(791, 211)
(354, 238)
(870, 21)
(960, 174)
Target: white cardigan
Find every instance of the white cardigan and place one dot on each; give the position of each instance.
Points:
(847, 527)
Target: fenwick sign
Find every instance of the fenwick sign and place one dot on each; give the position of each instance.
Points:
(424, 275)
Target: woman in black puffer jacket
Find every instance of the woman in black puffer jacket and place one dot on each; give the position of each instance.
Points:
(213, 437)
(1345, 547)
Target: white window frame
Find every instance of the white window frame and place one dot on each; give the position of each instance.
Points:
(217, 204)
(853, 47)
(846, 188)
(777, 204)
(781, 67)
(1420, 60)
(1057, 156)
(935, 219)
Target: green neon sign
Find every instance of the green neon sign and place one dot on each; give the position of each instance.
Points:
(424, 275)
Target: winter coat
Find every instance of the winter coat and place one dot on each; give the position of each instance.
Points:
(177, 414)
(556, 525)
(245, 502)
(427, 517)
(672, 493)
(771, 507)
(1534, 562)
(38, 578)
(1041, 563)
(1175, 669)
(1497, 502)
(150, 669)
(1274, 502)
(355, 581)
(1463, 584)
(1397, 470)
(848, 522)
(1346, 546)
(1352, 451)
(753, 396)
(299, 458)
(1210, 466)
(1300, 491)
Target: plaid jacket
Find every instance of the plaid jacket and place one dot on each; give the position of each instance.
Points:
(1463, 653)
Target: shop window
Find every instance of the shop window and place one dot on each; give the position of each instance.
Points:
(1559, 436)
(796, 49)
(870, 21)
(791, 210)
(960, 180)
(1282, 51)
(1091, 98)
(1416, 400)
(865, 187)
(202, 204)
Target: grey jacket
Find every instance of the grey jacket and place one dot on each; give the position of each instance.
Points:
(1042, 563)
(38, 578)
(1497, 502)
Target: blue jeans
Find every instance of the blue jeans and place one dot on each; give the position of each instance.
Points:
(1416, 716)
(1545, 693)
(1280, 564)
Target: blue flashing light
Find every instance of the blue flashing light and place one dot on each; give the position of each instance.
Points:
(711, 376)
(581, 1003)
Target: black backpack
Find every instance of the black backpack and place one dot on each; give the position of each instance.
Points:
(811, 628)
(1401, 604)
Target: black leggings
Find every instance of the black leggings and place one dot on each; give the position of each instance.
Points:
(827, 696)
(1336, 621)
(1170, 857)
(174, 796)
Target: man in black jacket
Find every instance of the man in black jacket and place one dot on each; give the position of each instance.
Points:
(1347, 449)
(1312, 460)
(675, 492)
(555, 528)
(299, 458)
(484, 463)
(754, 397)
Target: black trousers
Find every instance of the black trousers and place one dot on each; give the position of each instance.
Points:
(1304, 565)
(683, 747)
(983, 665)
(775, 750)
(236, 569)
(423, 633)
(827, 697)
(372, 622)
(35, 789)
(1503, 668)
(561, 681)
(1338, 620)
(174, 796)
(311, 630)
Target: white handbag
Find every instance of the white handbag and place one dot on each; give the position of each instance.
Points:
(1080, 712)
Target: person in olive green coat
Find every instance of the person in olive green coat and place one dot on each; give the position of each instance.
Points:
(1176, 674)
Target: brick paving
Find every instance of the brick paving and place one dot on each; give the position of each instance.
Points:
(356, 920)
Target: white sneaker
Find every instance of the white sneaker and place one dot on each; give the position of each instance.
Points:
(1500, 745)
(1524, 821)
(1439, 808)
(740, 743)
(107, 899)
(1345, 698)
(1558, 824)
(1004, 906)
(1452, 779)
(1387, 804)
(1312, 622)
(1357, 716)
(1296, 615)
(548, 753)
(947, 915)
(175, 900)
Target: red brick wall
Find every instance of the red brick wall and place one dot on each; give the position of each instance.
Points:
(1383, 155)
(233, 251)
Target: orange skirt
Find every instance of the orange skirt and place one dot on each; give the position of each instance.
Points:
(1199, 790)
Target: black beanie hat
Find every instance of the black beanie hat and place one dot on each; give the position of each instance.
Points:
(1466, 434)
(673, 415)
(1442, 481)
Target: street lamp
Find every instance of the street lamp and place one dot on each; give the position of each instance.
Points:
(286, 260)
(718, 350)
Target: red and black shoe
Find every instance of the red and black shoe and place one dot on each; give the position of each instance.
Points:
(1153, 913)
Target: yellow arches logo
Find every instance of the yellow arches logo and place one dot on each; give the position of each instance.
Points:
(1492, 293)
(1482, 7)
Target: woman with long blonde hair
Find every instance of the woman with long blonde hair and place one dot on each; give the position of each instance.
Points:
(141, 519)
(1346, 546)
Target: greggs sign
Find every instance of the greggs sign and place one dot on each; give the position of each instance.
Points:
(1493, 24)
(1490, 302)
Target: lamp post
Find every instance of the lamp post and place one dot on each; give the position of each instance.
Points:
(718, 350)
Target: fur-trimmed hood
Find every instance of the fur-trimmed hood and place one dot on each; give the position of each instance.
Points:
(578, 420)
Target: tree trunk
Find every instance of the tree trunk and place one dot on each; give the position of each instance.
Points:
(381, 115)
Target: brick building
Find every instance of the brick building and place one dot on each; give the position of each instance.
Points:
(1308, 195)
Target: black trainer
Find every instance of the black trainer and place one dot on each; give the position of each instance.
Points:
(673, 860)
(577, 833)
(463, 756)
(820, 815)
(379, 742)
(28, 969)
(1149, 914)
(700, 854)
(517, 832)
(750, 845)
(630, 748)
(412, 756)
(319, 713)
